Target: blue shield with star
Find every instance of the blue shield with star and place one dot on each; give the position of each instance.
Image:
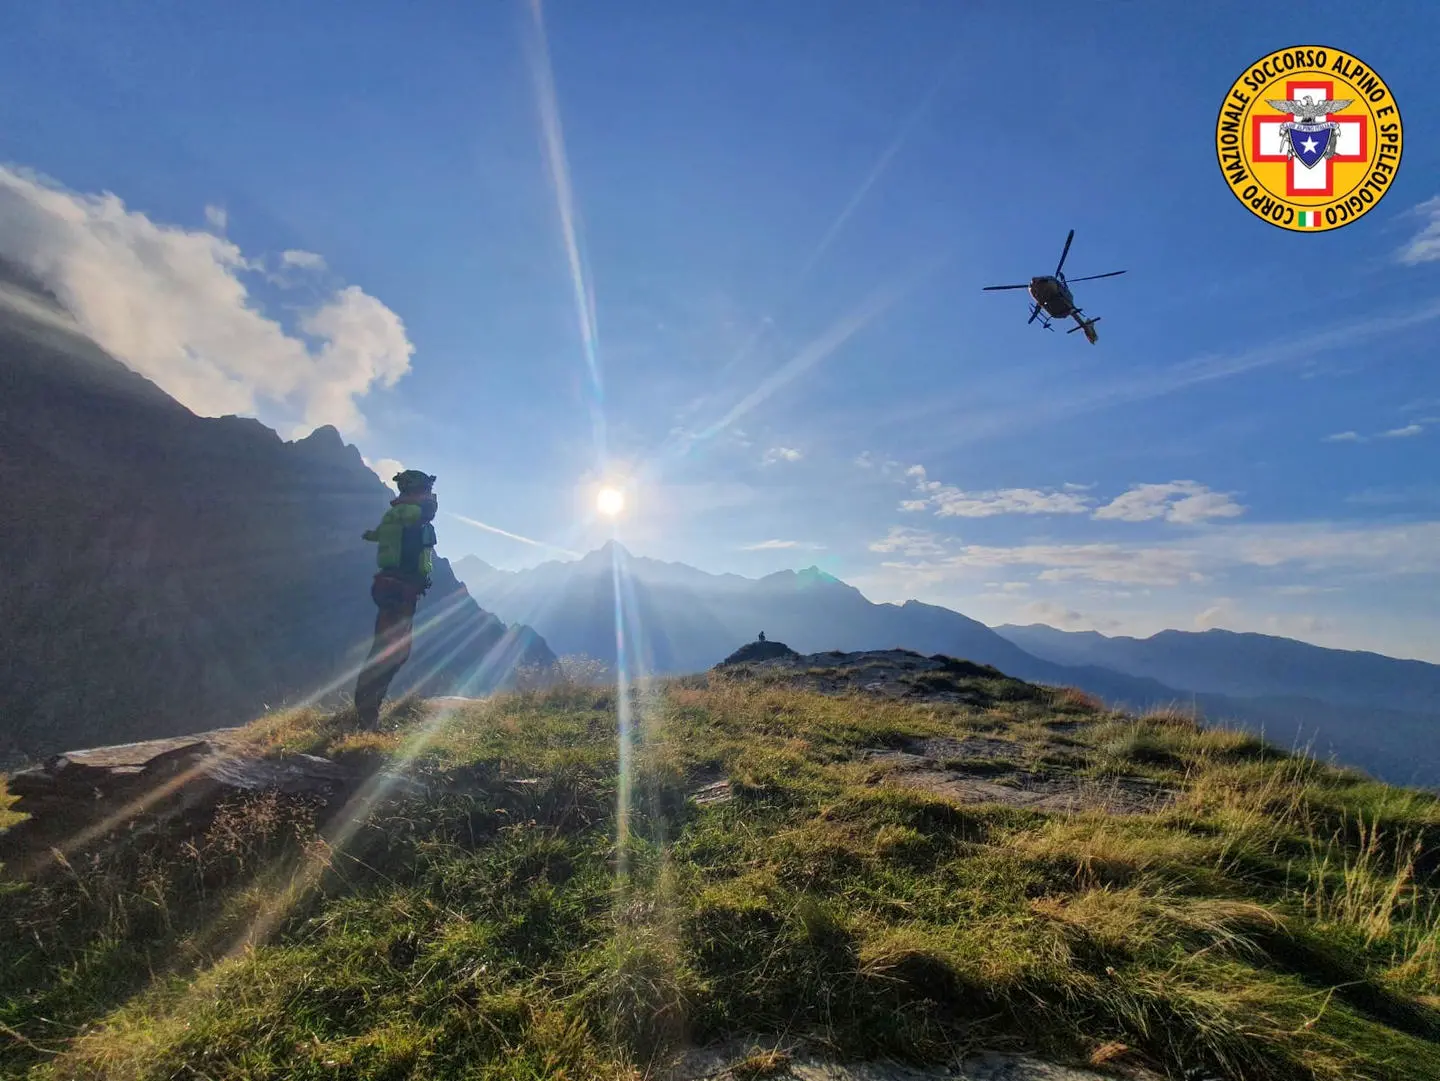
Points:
(1309, 142)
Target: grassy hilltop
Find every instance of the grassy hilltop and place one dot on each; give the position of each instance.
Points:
(1208, 904)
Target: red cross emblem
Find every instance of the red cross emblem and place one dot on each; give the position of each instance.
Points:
(1267, 143)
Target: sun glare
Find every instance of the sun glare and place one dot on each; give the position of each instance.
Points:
(610, 501)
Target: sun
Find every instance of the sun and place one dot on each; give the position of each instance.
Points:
(610, 501)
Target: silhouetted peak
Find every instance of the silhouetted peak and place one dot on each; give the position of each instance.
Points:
(610, 551)
(815, 574)
(324, 438)
(808, 578)
(473, 563)
(326, 444)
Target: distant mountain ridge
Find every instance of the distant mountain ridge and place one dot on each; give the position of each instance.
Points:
(166, 572)
(1244, 664)
(680, 619)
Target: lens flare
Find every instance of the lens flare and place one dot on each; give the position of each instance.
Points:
(610, 501)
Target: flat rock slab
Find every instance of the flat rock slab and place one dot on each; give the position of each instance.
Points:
(1054, 793)
(294, 774)
(985, 748)
(729, 1062)
(146, 751)
(713, 793)
(99, 771)
(996, 775)
(134, 787)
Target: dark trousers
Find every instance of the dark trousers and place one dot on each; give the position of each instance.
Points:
(394, 621)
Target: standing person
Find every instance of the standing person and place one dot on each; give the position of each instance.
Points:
(406, 542)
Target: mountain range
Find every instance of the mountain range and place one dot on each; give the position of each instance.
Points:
(1247, 665)
(165, 572)
(1374, 712)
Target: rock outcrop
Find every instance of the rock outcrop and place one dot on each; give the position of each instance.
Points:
(1038, 776)
(899, 673)
(752, 652)
(82, 796)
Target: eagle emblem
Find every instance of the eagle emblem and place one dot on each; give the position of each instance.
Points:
(1309, 139)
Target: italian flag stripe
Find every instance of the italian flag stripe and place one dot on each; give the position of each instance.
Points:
(1309, 219)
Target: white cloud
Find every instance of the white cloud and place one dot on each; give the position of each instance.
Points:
(217, 218)
(1327, 549)
(776, 545)
(954, 503)
(302, 260)
(970, 422)
(1424, 246)
(1413, 428)
(1221, 613)
(171, 304)
(1066, 619)
(947, 501)
(364, 342)
(1182, 501)
(914, 543)
(782, 454)
(385, 469)
(887, 467)
(1112, 563)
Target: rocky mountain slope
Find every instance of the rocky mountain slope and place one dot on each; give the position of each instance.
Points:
(681, 619)
(165, 572)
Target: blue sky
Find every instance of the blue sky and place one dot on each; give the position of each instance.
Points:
(781, 216)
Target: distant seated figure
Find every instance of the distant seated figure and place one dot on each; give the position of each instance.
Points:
(762, 636)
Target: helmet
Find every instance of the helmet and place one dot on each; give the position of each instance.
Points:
(413, 480)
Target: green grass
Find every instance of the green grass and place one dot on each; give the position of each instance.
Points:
(7, 816)
(1278, 921)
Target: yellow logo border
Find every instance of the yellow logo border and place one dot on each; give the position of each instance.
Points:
(1233, 146)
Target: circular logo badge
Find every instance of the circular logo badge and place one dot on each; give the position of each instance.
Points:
(1309, 138)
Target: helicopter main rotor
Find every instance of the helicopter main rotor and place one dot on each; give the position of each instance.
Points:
(1059, 274)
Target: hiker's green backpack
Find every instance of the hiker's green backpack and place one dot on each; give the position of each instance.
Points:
(406, 541)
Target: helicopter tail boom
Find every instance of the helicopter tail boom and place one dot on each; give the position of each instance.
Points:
(1088, 326)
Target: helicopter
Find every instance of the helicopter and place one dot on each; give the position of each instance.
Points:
(1052, 298)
